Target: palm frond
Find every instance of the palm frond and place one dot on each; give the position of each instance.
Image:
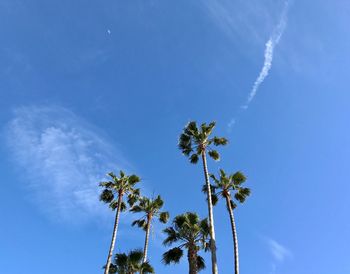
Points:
(214, 155)
(239, 197)
(214, 199)
(112, 269)
(179, 220)
(108, 184)
(212, 176)
(204, 225)
(147, 268)
(122, 174)
(164, 217)
(245, 191)
(107, 196)
(172, 256)
(132, 199)
(158, 202)
(114, 204)
(141, 223)
(123, 206)
(200, 263)
(172, 236)
(135, 256)
(133, 179)
(238, 178)
(136, 209)
(220, 141)
(112, 175)
(191, 128)
(121, 259)
(192, 218)
(194, 158)
(233, 204)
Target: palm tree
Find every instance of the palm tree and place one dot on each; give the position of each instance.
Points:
(151, 209)
(194, 142)
(192, 234)
(112, 194)
(130, 263)
(223, 187)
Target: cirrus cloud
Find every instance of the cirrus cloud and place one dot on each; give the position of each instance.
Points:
(62, 158)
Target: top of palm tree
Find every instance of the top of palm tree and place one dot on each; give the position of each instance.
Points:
(151, 208)
(130, 263)
(195, 139)
(226, 183)
(120, 185)
(187, 229)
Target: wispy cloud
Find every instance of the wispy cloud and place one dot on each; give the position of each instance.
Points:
(231, 124)
(268, 55)
(63, 159)
(279, 252)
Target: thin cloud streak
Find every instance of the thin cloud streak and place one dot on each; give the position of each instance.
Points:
(279, 252)
(268, 55)
(63, 159)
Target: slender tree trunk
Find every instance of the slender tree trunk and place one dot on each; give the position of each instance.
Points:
(211, 218)
(234, 233)
(114, 236)
(148, 228)
(192, 260)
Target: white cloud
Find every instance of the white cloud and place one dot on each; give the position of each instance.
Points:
(231, 124)
(268, 55)
(279, 252)
(63, 159)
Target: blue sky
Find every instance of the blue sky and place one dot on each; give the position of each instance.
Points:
(87, 87)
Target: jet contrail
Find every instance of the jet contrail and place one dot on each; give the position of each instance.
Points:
(269, 49)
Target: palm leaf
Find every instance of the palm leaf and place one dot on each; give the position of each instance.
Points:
(147, 268)
(220, 141)
(107, 196)
(214, 155)
(238, 178)
(172, 256)
(194, 158)
(164, 217)
(200, 263)
(172, 236)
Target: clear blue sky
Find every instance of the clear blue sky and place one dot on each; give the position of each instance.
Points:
(92, 86)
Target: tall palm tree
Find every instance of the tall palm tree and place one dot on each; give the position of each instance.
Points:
(190, 233)
(151, 209)
(130, 263)
(226, 186)
(112, 194)
(195, 142)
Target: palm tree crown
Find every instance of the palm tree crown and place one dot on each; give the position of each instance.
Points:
(190, 233)
(151, 209)
(122, 185)
(112, 194)
(130, 263)
(225, 184)
(223, 187)
(194, 141)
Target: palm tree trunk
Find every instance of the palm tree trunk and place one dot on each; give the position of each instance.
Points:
(148, 228)
(114, 236)
(192, 260)
(211, 217)
(234, 233)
